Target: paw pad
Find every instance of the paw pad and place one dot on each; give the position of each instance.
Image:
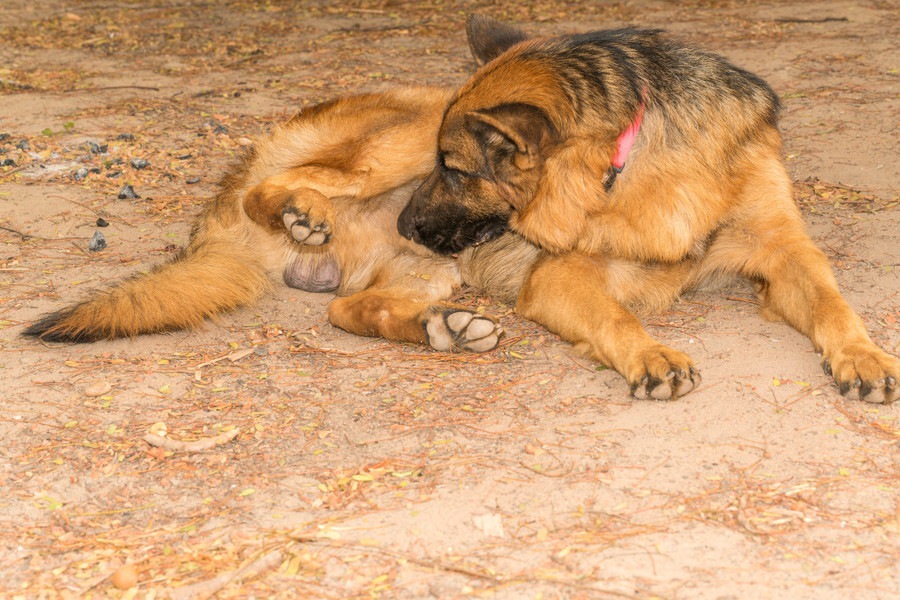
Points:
(460, 329)
(675, 383)
(302, 228)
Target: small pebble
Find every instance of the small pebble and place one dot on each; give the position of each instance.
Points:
(80, 174)
(125, 137)
(220, 129)
(125, 577)
(127, 193)
(24, 145)
(4, 137)
(140, 163)
(97, 148)
(7, 162)
(97, 388)
(101, 222)
(114, 174)
(98, 242)
(193, 180)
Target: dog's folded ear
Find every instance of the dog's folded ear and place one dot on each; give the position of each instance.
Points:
(489, 38)
(517, 132)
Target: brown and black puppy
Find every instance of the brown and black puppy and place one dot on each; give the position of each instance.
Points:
(642, 167)
(314, 204)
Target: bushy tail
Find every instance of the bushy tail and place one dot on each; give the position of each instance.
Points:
(211, 277)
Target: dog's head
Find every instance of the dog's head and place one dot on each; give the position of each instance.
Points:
(489, 160)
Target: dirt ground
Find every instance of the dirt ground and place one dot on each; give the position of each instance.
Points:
(364, 469)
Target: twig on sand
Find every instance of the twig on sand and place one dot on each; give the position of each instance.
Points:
(822, 20)
(195, 446)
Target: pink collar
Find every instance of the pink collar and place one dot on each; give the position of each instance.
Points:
(626, 141)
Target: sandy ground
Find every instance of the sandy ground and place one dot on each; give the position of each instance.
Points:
(370, 470)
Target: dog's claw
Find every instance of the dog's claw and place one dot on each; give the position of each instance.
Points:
(865, 372)
(667, 375)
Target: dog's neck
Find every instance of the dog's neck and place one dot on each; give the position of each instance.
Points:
(623, 148)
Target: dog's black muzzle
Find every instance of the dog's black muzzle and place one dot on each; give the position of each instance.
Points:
(449, 229)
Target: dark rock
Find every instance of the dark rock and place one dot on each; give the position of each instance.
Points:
(98, 242)
(127, 193)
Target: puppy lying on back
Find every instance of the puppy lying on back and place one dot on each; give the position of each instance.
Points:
(314, 204)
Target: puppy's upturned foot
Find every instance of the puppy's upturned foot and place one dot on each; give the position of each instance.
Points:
(865, 372)
(461, 329)
(306, 227)
(663, 374)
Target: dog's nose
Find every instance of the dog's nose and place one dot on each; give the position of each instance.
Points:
(406, 225)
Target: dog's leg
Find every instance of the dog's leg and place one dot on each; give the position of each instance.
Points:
(796, 284)
(294, 201)
(568, 295)
(395, 315)
(768, 244)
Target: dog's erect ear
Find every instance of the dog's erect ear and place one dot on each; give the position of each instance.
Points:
(489, 38)
(515, 131)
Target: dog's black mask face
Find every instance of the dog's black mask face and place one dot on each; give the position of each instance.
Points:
(489, 164)
(451, 230)
(434, 219)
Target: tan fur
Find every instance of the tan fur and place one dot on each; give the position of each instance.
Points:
(346, 169)
(704, 194)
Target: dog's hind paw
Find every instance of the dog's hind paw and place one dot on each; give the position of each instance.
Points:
(865, 372)
(461, 329)
(665, 374)
(306, 227)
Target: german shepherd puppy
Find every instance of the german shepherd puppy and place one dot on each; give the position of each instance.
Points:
(643, 168)
(316, 204)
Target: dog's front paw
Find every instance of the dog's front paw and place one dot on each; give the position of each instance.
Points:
(461, 329)
(864, 372)
(661, 373)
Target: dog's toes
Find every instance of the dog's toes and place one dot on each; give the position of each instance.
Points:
(639, 388)
(880, 391)
(865, 372)
(297, 226)
(666, 374)
(686, 381)
(303, 229)
(661, 389)
(461, 329)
